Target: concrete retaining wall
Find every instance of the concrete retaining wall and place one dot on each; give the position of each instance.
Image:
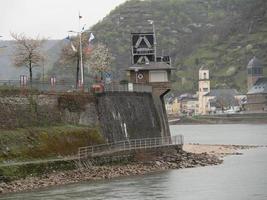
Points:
(121, 115)
(126, 115)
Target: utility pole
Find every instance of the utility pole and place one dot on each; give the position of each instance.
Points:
(79, 33)
(155, 39)
(81, 51)
(4, 45)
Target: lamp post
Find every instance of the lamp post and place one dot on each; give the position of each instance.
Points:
(155, 39)
(4, 45)
(81, 53)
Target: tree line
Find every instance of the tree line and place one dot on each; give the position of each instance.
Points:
(28, 53)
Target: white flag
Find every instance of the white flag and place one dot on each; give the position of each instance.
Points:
(73, 47)
(91, 38)
(150, 21)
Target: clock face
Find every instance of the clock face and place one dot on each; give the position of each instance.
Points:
(140, 76)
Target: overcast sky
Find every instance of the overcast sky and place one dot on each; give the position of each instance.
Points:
(50, 18)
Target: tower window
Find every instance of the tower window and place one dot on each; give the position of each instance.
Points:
(205, 75)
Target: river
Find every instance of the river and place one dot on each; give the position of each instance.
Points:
(240, 177)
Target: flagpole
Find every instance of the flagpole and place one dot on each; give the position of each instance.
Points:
(81, 53)
(155, 41)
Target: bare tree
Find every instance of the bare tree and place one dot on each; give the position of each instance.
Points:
(97, 57)
(28, 52)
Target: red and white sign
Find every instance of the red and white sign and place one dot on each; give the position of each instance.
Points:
(23, 80)
(80, 84)
(53, 81)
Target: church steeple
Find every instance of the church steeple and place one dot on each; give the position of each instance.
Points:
(255, 71)
(204, 80)
(203, 89)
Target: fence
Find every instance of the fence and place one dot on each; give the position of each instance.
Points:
(67, 86)
(130, 87)
(91, 151)
(59, 86)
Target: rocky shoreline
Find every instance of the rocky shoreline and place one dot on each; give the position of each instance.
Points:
(180, 160)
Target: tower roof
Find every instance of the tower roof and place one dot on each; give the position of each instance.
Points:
(254, 62)
(259, 87)
(203, 67)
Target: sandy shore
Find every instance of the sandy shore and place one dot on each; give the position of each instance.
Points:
(194, 155)
(217, 150)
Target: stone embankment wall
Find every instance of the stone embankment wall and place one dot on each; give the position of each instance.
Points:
(121, 115)
(46, 110)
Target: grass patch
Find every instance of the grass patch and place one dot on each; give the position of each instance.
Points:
(45, 142)
(6, 90)
(22, 171)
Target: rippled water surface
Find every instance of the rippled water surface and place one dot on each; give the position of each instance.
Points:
(239, 178)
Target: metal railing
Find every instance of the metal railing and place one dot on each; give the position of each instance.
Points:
(59, 86)
(67, 86)
(115, 87)
(147, 143)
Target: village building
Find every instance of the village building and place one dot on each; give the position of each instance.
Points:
(216, 101)
(173, 105)
(223, 100)
(257, 87)
(184, 104)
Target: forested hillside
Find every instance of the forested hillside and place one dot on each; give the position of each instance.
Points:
(222, 34)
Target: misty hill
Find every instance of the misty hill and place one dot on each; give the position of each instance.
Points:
(8, 71)
(222, 34)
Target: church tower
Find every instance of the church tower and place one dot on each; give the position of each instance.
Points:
(254, 72)
(203, 89)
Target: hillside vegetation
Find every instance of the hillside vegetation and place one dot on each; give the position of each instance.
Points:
(222, 34)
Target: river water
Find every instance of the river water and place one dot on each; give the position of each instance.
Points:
(238, 178)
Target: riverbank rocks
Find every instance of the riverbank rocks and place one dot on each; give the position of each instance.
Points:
(160, 162)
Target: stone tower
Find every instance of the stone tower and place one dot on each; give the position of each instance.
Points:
(255, 71)
(203, 89)
(149, 69)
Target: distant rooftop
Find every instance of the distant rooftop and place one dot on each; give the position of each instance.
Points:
(223, 92)
(254, 62)
(259, 87)
(227, 96)
(204, 67)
